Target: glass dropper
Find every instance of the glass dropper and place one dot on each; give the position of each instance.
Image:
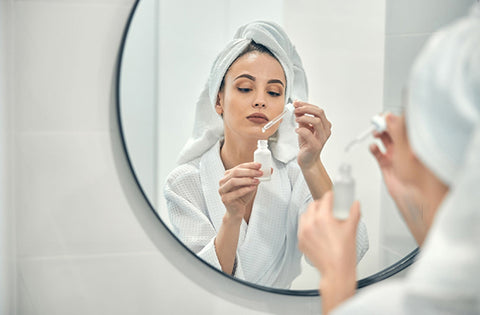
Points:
(378, 124)
(288, 107)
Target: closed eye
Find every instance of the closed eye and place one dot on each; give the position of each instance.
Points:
(244, 90)
(273, 93)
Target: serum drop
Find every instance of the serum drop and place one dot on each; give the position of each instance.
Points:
(344, 192)
(263, 156)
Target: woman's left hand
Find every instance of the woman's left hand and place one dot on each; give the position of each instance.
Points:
(313, 131)
(329, 244)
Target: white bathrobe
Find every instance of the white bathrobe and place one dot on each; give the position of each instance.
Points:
(267, 252)
(443, 124)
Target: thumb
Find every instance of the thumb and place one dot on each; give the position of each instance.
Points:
(354, 216)
(327, 201)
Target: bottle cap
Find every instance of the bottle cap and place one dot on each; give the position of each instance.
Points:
(379, 123)
(345, 169)
(262, 143)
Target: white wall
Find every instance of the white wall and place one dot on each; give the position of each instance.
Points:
(7, 238)
(80, 246)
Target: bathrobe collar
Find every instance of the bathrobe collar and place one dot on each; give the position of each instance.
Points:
(266, 231)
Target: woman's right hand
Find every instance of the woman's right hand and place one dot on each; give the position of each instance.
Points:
(394, 185)
(393, 140)
(238, 188)
(406, 197)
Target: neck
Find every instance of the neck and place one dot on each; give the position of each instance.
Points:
(237, 151)
(434, 191)
(429, 195)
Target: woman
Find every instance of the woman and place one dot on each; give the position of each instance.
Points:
(217, 206)
(431, 168)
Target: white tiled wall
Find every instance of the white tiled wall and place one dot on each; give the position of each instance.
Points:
(409, 23)
(80, 246)
(7, 232)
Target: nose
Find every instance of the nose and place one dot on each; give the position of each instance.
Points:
(259, 102)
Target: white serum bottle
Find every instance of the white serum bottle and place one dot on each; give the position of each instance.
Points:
(263, 156)
(344, 192)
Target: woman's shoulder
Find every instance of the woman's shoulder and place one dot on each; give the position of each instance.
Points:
(189, 171)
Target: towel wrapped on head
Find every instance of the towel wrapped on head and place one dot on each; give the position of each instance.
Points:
(208, 128)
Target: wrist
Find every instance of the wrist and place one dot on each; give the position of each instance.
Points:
(313, 168)
(317, 178)
(230, 219)
(336, 290)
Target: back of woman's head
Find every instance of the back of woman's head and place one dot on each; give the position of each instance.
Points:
(444, 97)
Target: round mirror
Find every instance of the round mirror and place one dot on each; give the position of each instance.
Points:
(165, 59)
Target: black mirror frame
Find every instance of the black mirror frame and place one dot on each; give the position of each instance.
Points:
(379, 276)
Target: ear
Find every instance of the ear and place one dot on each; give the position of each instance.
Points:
(219, 104)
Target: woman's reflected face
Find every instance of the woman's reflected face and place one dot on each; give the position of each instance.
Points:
(252, 94)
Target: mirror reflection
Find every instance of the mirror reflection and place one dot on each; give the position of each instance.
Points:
(191, 133)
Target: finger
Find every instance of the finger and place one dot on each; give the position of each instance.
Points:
(375, 150)
(245, 172)
(326, 203)
(384, 137)
(302, 108)
(354, 216)
(250, 165)
(236, 194)
(381, 158)
(238, 172)
(310, 120)
(312, 207)
(306, 134)
(237, 183)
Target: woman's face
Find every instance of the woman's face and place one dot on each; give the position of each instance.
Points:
(253, 93)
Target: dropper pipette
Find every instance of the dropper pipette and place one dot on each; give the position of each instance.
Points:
(378, 124)
(288, 107)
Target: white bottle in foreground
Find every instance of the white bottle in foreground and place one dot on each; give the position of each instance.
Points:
(263, 156)
(344, 192)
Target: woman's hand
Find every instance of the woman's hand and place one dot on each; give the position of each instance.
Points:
(313, 131)
(238, 188)
(385, 162)
(407, 199)
(329, 244)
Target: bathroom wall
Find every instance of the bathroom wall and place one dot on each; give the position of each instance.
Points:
(80, 248)
(7, 249)
(409, 23)
(79, 244)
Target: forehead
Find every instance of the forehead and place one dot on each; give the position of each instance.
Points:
(260, 65)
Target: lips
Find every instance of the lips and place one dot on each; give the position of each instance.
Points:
(258, 118)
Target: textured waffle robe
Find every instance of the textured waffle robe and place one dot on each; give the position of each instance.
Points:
(267, 252)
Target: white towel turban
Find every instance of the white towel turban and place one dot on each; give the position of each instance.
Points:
(208, 128)
(444, 97)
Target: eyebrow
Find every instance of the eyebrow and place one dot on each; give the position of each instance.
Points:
(248, 76)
